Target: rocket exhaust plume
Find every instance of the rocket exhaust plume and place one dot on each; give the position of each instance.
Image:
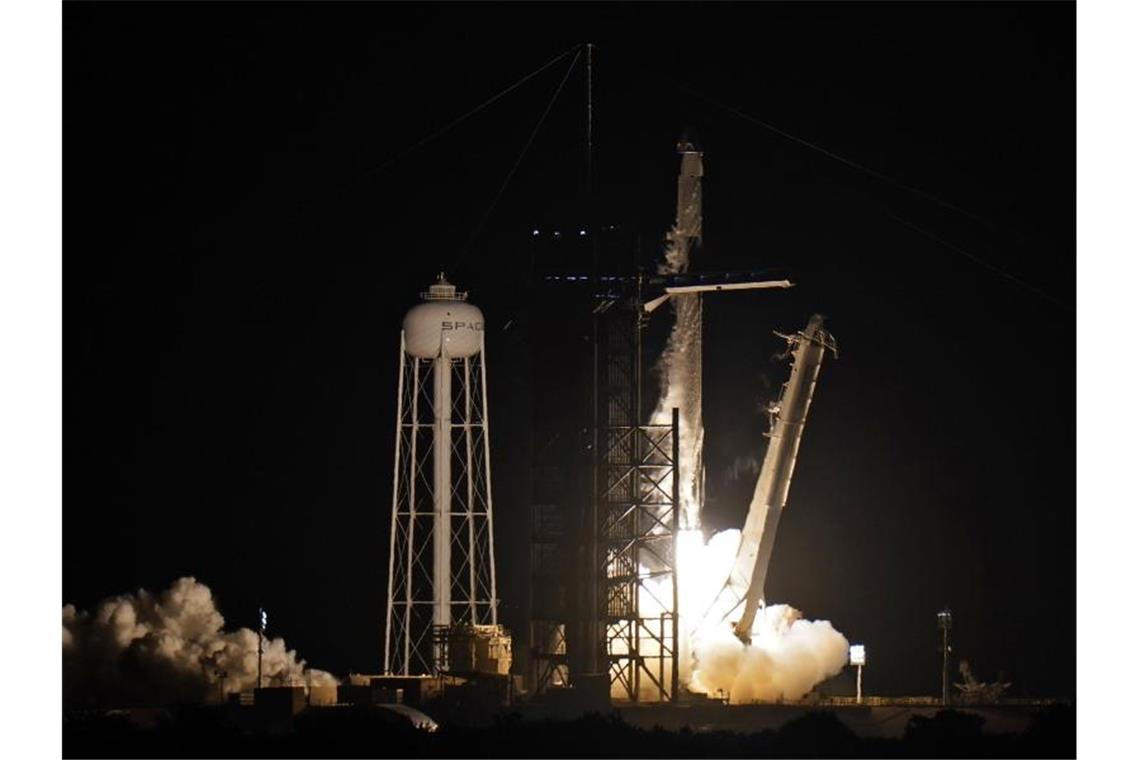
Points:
(787, 655)
(144, 649)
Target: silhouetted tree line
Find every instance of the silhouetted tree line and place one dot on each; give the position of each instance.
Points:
(208, 732)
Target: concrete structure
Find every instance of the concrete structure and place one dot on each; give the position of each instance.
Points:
(365, 689)
(279, 701)
(478, 649)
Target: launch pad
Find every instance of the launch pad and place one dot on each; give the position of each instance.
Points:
(646, 473)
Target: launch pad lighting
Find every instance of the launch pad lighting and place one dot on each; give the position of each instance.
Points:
(858, 654)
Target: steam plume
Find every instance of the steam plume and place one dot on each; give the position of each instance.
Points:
(787, 658)
(143, 649)
(680, 372)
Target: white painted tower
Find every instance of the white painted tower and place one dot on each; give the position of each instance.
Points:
(441, 561)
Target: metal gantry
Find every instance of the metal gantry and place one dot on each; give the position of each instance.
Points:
(637, 509)
(944, 624)
(549, 664)
(441, 567)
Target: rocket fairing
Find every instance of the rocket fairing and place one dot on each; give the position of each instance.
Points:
(745, 583)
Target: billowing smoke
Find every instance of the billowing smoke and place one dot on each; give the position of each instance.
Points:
(788, 656)
(680, 372)
(146, 649)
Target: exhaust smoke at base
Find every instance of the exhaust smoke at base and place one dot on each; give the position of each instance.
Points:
(144, 649)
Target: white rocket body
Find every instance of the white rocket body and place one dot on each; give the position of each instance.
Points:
(683, 379)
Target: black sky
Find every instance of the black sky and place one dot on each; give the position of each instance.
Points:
(237, 266)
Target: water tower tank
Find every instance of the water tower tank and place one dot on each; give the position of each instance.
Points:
(444, 322)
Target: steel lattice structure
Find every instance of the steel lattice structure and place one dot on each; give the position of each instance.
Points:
(637, 508)
(441, 567)
(548, 656)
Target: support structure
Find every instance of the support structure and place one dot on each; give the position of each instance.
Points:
(637, 508)
(262, 623)
(549, 664)
(944, 624)
(441, 562)
(858, 658)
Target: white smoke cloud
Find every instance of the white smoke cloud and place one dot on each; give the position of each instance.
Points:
(788, 656)
(680, 371)
(146, 649)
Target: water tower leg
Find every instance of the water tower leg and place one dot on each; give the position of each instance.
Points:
(394, 525)
(441, 495)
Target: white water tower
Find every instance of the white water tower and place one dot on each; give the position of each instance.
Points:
(441, 561)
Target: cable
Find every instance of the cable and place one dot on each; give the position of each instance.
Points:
(835, 156)
(589, 119)
(977, 260)
(518, 161)
(475, 110)
(361, 174)
(890, 180)
(956, 249)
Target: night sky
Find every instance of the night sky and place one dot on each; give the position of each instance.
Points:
(241, 247)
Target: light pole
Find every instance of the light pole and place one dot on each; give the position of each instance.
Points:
(944, 624)
(858, 655)
(260, 639)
